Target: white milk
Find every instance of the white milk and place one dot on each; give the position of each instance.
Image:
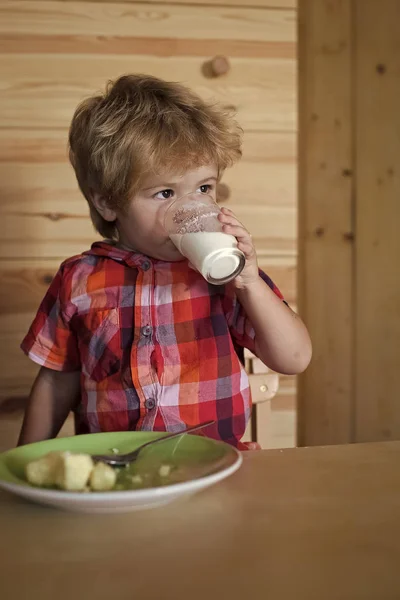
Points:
(214, 254)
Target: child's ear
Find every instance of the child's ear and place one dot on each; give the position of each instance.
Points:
(101, 205)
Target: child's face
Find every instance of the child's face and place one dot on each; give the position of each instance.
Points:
(140, 225)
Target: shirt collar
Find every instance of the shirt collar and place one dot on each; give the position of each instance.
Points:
(108, 249)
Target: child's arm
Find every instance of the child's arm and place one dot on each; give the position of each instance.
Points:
(281, 339)
(52, 397)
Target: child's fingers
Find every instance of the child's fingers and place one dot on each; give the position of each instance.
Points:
(229, 220)
(227, 216)
(231, 225)
(246, 248)
(238, 231)
(234, 227)
(226, 211)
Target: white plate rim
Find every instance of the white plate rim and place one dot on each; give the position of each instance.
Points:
(139, 496)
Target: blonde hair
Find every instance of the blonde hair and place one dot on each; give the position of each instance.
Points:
(139, 125)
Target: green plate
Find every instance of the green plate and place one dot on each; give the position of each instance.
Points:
(198, 462)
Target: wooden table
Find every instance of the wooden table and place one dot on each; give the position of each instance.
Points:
(311, 523)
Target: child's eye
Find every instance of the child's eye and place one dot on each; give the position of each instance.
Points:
(164, 194)
(204, 189)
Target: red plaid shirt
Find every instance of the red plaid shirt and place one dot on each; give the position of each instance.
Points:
(155, 344)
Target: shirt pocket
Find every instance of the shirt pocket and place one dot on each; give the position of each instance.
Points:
(100, 343)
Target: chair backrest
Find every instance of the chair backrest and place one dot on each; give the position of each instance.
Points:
(264, 383)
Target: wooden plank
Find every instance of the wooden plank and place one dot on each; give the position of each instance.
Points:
(259, 178)
(263, 424)
(50, 145)
(377, 313)
(45, 215)
(272, 150)
(10, 427)
(283, 422)
(276, 419)
(23, 283)
(14, 43)
(42, 91)
(284, 413)
(22, 287)
(247, 434)
(139, 19)
(275, 422)
(265, 174)
(326, 228)
(278, 4)
(17, 372)
(33, 146)
(287, 387)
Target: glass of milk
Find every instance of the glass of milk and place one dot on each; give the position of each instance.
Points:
(193, 226)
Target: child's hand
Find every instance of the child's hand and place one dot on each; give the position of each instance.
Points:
(232, 226)
(252, 446)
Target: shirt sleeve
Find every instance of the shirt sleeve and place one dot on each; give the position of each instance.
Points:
(239, 324)
(50, 342)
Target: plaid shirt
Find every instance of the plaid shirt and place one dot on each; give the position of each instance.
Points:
(155, 344)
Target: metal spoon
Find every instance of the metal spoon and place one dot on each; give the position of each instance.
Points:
(121, 460)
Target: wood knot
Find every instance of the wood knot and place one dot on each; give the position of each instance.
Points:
(47, 279)
(347, 172)
(381, 68)
(217, 66)
(348, 236)
(319, 232)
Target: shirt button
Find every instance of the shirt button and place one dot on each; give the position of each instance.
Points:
(146, 264)
(146, 330)
(150, 403)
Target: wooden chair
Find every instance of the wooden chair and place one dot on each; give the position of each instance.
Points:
(264, 385)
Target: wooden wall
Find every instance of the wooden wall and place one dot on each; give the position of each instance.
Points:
(349, 205)
(53, 54)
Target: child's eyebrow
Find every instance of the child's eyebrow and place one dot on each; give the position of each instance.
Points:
(165, 185)
(161, 184)
(212, 177)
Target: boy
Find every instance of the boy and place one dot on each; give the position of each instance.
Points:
(128, 335)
